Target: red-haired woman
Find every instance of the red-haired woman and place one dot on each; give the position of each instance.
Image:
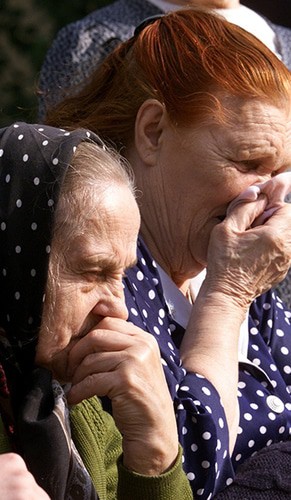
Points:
(201, 109)
(82, 45)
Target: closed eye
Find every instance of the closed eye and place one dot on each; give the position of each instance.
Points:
(251, 164)
(262, 167)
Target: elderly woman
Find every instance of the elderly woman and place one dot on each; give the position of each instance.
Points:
(69, 225)
(201, 109)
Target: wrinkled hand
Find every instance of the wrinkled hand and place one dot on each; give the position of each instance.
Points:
(245, 261)
(16, 483)
(245, 258)
(122, 362)
(276, 190)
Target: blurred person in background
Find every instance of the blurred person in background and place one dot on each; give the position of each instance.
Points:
(81, 46)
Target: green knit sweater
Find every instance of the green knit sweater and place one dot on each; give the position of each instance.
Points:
(99, 444)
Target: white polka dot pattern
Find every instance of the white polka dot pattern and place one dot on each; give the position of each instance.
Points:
(200, 417)
(33, 160)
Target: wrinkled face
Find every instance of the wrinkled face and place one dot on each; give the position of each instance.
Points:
(203, 168)
(88, 286)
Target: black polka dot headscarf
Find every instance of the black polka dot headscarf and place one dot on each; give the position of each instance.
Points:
(33, 160)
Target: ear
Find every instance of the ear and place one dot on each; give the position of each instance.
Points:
(150, 121)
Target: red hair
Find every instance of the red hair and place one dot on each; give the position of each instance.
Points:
(186, 60)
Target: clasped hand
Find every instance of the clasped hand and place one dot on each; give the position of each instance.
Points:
(119, 360)
(250, 251)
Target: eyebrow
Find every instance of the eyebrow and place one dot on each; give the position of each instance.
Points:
(108, 262)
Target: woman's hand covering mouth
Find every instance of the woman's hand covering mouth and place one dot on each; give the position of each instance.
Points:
(276, 190)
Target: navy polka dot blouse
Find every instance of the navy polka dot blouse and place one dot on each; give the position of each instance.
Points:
(263, 390)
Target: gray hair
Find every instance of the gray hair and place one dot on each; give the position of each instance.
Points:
(93, 169)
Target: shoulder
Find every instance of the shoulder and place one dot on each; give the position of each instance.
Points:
(283, 36)
(80, 46)
(282, 31)
(119, 18)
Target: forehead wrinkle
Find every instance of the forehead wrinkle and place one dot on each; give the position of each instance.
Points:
(115, 245)
(267, 140)
(257, 126)
(249, 138)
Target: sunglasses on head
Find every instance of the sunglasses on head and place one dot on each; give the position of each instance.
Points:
(146, 22)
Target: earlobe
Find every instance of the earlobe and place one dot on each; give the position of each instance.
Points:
(149, 124)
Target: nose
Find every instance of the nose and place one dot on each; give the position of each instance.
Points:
(111, 304)
(118, 307)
